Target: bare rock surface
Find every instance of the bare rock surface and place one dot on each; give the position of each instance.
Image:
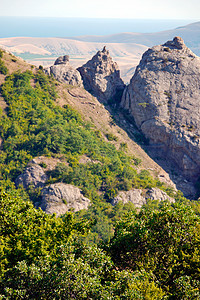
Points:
(101, 76)
(157, 194)
(164, 100)
(33, 175)
(64, 72)
(60, 197)
(139, 197)
(135, 196)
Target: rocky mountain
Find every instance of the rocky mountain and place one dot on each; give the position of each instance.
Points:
(163, 98)
(64, 72)
(103, 81)
(63, 150)
(126, 48)
(101, 76)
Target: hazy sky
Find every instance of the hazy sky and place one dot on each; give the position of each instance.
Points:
(143, 9)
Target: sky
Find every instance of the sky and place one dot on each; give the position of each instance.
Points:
(130, 9)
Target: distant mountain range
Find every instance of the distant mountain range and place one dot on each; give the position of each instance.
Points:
(125, 48)
(190, 33)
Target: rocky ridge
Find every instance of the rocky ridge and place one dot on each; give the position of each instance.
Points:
(101, 76)
(163, 98)
(60, 198)
(64, 72)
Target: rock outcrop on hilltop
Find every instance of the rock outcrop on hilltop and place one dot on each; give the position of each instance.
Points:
(101, 76)
(164, 100)
(64, 72)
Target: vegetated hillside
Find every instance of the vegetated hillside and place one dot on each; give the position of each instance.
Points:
(37, 121)
(42, 256)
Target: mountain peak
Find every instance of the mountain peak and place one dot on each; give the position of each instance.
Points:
(101, 76)
(62, 60)
(177, 43)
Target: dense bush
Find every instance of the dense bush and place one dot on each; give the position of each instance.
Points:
(166, 242)
(3, 68)
(40, 258)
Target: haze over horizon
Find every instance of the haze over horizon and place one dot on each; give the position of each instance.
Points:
(73, 27)
(128, 9)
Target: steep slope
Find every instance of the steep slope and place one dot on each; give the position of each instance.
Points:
(163, 97)
(77, 97)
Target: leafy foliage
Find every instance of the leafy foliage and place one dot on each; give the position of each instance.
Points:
(40, 258)
(3, 68)
(166, 242)
(34, 125)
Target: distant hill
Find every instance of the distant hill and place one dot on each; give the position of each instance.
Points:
(189, 33)
(44, 51)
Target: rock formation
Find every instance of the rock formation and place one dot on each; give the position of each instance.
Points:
(101, 76)
(56, 198)
(60, 197)
(135, 196)
(33, 175)
(139, 197)
(64, 72)
(157, 194)
(164, 100)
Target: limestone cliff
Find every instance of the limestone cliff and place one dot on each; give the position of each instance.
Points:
(164, 100)
(101, 76)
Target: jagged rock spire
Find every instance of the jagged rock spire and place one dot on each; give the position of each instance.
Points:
(101, 76)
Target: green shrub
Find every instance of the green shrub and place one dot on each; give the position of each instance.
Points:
(3, 68)
(111, 137)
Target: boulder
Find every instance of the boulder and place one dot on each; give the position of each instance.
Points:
(60, 198)
(164, 99)
(135, 196)
(139, 197)
(157, 194)
(64, 72)
(33, 175)
(101, 76)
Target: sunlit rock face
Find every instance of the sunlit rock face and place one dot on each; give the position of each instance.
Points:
(164, 100)
(101, 76)
(64, 72)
